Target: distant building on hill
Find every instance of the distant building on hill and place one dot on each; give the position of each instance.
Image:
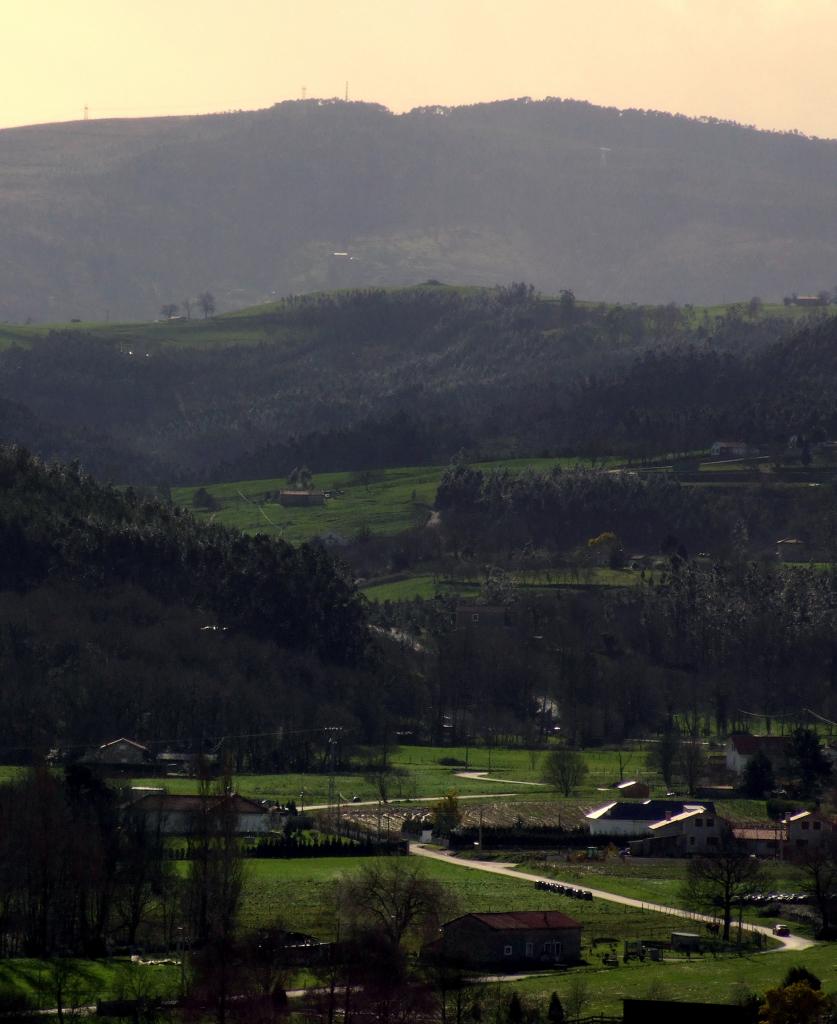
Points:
(481, 616)
(631, 789)
(301, 498)
(730, 450)
(791, 549)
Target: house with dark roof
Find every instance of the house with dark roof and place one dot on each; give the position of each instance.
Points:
(510, 938)
(119, 757)
(181, 814)
(742, 746)
(635, 819)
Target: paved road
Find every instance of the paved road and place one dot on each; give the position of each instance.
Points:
(401, 803)
(485, 777)
(791, 943)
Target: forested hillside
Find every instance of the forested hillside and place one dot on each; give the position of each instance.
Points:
(123, 615)
(119, 217)
(371, 378)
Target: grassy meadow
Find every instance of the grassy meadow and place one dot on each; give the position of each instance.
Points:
(381, 501)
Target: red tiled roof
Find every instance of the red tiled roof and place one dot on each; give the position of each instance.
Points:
(171, 802)
(527, 919)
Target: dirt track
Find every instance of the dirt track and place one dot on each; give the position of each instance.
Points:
(792, 943)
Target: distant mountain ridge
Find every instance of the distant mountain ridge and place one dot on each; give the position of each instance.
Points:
(115, 218)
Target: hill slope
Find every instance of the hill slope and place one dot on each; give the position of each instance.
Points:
(349, 380)
(121, 216)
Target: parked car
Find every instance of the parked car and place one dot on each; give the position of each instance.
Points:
(781, 929)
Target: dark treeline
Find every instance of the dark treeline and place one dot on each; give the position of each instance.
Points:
(58, 524)
(699, 648)
(501, 513)
(370, 378)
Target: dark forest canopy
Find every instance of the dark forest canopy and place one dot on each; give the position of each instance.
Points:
(373, 378)
(58, 526)
(122, 216)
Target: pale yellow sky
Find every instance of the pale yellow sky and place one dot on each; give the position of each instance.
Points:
(765, 62)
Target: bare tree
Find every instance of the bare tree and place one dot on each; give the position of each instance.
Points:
(819, 866)
(723, 879)
(168, 310)
(564, 770)
(206, 304)
(187, 307)
(394, 896)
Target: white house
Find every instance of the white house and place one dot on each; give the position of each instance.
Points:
(741, 747)
(806, 830)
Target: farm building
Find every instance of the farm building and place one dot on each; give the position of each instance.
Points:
(693, 831)
(730, 450)
(741, 746)
(621, 818)
(631, 789)
(181, 814)
(791, 549)
(290, 499)
(514, 937)
(119, 756)
(481, 616)
(807, 830)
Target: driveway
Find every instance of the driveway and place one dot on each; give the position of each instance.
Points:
(791, 943)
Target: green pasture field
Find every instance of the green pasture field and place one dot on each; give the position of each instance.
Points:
(426, 777)
(302, 893)
(429, 585)
(382, 501)
(89, 980)
(654, 880)
(699, 979)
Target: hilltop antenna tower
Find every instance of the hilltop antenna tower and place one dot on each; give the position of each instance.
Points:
(86, 112)
(304, 92)
(347, 93)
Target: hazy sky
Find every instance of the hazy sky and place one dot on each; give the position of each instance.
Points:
(764, 62)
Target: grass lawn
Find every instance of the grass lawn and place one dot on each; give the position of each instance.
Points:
(426, 777)
(702, 979)
(383, 501)
(428, 585)
(654, 880)
(88, 980)
(301, 892)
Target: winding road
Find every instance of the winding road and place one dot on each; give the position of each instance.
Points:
(789, 943)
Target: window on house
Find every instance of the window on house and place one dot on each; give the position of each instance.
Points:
(805, 826)
(475, 617)
(691, 840)
(698, 822)
(547, 947)
(710, 822)
(507, 951)
(530, 949)
(712, 841)
(817, 826)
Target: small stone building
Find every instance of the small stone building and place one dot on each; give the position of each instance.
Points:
(513, 937)
(301, 498)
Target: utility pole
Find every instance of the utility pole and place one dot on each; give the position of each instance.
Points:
(86, 112)
(347, 93)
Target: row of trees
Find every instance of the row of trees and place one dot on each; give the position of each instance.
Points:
(205, 302)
